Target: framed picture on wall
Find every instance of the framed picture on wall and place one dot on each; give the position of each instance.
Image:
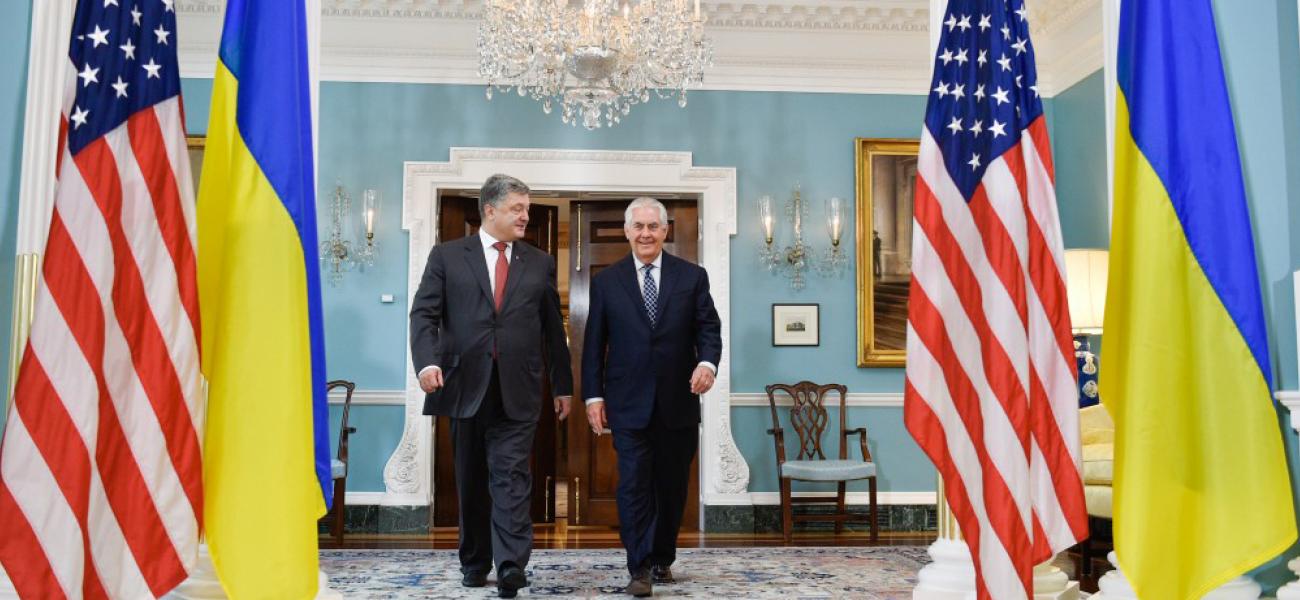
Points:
(796, 325)
(886, 175)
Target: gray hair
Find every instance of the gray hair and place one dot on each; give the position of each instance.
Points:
(495, 190)
(645, 202)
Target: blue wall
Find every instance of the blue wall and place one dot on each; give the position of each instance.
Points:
(1079, 151)
(15, 24)
(773, 139)
(1261, 53)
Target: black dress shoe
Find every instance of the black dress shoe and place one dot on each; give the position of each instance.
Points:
(640, 586)
(662, 574)
(474, 579)
(509, 580)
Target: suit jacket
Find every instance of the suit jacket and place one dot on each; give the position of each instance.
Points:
(454, 324)
(642, 371)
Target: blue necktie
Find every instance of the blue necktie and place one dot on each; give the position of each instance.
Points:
(651, 294)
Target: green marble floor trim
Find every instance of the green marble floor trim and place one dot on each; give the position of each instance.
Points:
(717, 519)
(384, 519)
(767, 518)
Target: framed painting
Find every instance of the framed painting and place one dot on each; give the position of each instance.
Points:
(796, 325)
(886, 185)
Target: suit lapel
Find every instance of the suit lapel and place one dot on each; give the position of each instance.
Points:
(516, 271)
(667, 278)
(629, 277)
(478, 265)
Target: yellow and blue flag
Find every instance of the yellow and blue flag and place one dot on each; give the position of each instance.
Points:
(1201, 488)
(266, 455)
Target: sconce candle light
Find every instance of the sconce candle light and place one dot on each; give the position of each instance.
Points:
(799, 257)
(338, 252)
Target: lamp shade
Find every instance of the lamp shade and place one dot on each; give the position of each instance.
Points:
(1086, 270)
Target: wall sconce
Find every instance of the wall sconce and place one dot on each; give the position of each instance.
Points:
(1086, 271)
(338, 253)
(799, 257)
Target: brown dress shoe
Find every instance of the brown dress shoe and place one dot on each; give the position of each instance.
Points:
(640, 586)
(662, 574)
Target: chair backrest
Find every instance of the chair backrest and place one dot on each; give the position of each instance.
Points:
(347, 407)
(808, 415)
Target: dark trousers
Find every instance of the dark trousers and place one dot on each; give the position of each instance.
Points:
(493, 485)
(654, 469)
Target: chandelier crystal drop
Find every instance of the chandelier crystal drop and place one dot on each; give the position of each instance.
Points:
(593, 59)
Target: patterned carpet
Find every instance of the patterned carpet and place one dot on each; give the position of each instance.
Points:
(786, 573)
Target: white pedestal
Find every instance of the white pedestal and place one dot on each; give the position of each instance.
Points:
(1114, 586)
(204, 585)
(1051, 583)
(1291, 591)
(950, 577)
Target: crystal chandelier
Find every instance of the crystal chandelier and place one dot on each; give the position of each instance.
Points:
(800, 257)
(339, 253)
(595, 58)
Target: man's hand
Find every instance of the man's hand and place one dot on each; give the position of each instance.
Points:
(562, 406)
(596, 417)
(431, 379)
(701, 380)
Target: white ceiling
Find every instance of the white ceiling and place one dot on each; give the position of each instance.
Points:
(851, 46)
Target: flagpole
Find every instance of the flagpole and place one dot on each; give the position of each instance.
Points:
(47, 70)
(951, 575)
(47, 73)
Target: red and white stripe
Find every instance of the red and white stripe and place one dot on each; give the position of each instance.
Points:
(991, 392)
(100, 470)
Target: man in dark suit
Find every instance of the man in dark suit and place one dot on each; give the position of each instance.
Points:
(652, 345)
(486, 308)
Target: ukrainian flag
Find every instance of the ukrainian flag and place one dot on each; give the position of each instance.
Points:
(1201, 488)
(266, 456)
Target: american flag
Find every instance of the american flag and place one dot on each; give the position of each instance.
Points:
(990, 393)
(100, 470)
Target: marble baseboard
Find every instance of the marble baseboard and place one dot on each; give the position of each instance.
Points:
(374, 519)
(767, 518)
(384, 519)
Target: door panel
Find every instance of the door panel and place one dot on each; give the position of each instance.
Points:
(597, 241)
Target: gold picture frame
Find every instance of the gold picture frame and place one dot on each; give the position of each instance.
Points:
(196, 144)
(886, 185)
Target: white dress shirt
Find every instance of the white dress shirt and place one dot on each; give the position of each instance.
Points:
(489, 255)
(658, 263)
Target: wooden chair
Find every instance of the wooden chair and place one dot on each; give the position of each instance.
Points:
(339, 465)
(809, 418)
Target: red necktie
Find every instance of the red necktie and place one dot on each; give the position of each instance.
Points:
(503, 268)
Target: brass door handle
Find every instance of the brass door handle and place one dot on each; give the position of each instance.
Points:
(577, 500)
(578, 263)
(546, 492)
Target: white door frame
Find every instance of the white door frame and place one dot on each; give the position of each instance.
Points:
(724, 473)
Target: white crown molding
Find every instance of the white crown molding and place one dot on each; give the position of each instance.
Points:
(830, 46)
(854, 400)
(1069, 44)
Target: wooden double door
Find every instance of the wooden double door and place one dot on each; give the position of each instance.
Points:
(568, 451)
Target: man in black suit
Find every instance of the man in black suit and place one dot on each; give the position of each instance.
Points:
(486, 308)
(652, 345)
